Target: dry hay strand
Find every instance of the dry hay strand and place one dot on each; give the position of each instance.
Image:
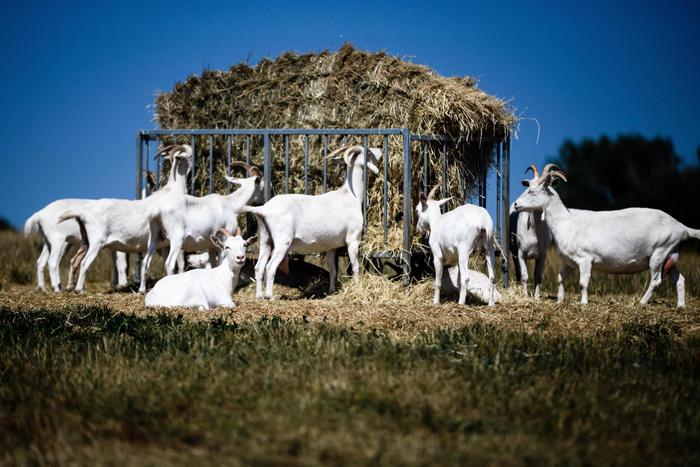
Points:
(348, 88)
(399, 313)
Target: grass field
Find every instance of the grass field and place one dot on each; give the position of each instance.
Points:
(371, 375)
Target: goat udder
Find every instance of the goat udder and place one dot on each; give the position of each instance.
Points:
(670, 263)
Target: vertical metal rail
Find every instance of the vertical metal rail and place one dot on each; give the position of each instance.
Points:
(267, 164)
(306, 164)
(406, 253)
(505, 203)
(325, 163)
(484, 176)
(194, 164)
(286, 163)
(365, 180)
(157, 163)
(443, 192)
(499, 226)
(139, 167)
(425, 167)
(385, 207)
(139, 189)
(211, 164)
(145, 172)
(228, 161)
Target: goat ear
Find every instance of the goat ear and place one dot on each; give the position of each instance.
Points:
(423, 201)
(444, 200)
(377, 153)
(237, 181)
(216, 241)
(251, 240)
(525, 182)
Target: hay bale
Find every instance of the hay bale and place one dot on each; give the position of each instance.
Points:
(344, 89)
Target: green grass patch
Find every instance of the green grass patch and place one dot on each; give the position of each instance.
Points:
(87, 384)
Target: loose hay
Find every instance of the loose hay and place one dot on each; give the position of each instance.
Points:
(344, 89)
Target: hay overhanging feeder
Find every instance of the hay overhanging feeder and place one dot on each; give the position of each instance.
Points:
(286, 114)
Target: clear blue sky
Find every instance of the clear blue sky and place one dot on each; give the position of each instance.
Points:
(78, 78)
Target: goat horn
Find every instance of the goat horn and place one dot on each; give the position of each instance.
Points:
(549, 167)
(169, 150)
(337, 151)
(223, 231)
(350, 151)
(559, 174)
(533, 167)
(250, 169)
(431, 195)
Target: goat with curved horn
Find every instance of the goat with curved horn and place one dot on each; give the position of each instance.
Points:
(434, 190)
(315, 224)
(250, 168)
(535, 172)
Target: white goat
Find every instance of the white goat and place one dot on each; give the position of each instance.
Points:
(625, 241)
(188, 222)
(199, 260)
(478, 285)
(57, 237)
(454, 236)
(122, 225)
(315, 223)
(204, 288)
(529, 239)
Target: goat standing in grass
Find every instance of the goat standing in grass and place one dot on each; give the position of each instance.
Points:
(205, 288)
(187, 222)
(453, 237)
(57, 238)
(530, 239)
(315, 223)
(625, 241)
(121, 224)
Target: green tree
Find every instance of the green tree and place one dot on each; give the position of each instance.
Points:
(629, 171)
(5, 224)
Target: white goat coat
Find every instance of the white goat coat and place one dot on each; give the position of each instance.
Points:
(469, 221)
(198, 288)
(188, 221)
(297, 217)
(479, 285)
(614, 241)
(58, 236)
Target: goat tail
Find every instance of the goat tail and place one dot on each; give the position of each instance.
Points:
(79, 217)
(31, 226)
(251, 209)
(693, 233)
(70, 215)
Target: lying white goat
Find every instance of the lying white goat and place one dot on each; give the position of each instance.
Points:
(205, 288)
(478, 285)
(454, 236)
(529, 239)
(188, 222)
(619, 242)
(121, 224)
(315, 223)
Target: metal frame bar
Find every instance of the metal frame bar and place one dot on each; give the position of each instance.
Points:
(500, 145)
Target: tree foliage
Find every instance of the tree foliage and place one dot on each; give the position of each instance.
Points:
(629, 171)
